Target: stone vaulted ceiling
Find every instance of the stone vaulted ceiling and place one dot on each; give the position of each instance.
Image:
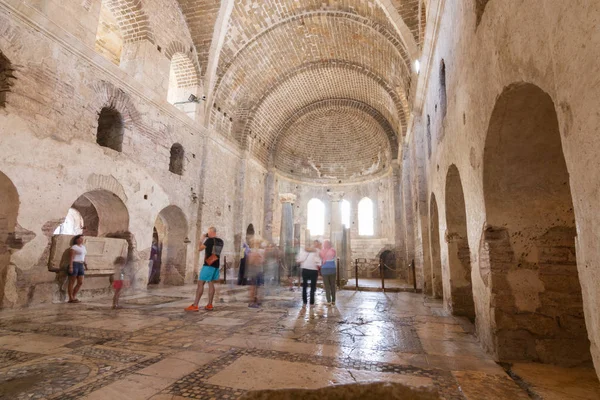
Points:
(284, 64)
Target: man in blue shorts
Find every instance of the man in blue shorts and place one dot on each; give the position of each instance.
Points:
(210, 268)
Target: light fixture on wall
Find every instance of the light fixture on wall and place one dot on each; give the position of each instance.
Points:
(417, 66)
(194, 99)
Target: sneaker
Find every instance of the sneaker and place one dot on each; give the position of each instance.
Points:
(192, 308)
(209, 307)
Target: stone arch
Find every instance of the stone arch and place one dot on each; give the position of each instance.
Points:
(177, 159)
(443, 98)
(184, 74)
(112, 97)
(6, 70)
(172, 228)
(434, 249)
(387, 259)
(9, 209)
(250, 232)
(103, 213)
(132, 20)
(428, 137)
(460, 296)
(109, 38)
(479, 10)
(529, 248)
(110, 129)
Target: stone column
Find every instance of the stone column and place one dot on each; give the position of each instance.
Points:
(345, 254)
(286, 236)
(335, 227)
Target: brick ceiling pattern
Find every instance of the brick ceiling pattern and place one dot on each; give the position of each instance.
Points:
(201, 16)
(326, 154)
(281, 56)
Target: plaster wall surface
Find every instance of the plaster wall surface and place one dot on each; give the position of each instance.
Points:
(552, 45)
(48, 136)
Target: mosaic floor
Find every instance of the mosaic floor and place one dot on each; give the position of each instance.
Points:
(151, 349)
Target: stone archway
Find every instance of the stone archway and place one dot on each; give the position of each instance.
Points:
(434, 246)
(171, 227)
(9, 209)
(528, 254)
(460, 294)
(103, 213)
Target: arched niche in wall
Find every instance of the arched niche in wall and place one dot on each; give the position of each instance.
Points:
(434, 245)
(110, 129)
(9, 209)
(443, 96)
(460, 298)
(177, 158)
(5, 78)
(529, 240)
(109, 38)
(171, 227)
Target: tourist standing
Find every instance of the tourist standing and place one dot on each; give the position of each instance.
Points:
(210, 270)
(310, 262)
(77, 267)
(328, 271)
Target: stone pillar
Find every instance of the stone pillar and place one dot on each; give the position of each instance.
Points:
(345, 254)
(269, 204)
(399, 222)
(335, 227)
(286, 237)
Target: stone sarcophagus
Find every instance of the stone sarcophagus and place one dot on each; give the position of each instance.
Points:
(100, 258)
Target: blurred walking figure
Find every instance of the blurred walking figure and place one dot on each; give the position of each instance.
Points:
(310, 262)
(328, 271)
(271, 265)
(120, 279)
(255, 272)
(242, 275)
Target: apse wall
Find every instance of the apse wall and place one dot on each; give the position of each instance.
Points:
(367, 248)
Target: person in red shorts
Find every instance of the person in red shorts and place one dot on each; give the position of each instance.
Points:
(119, 279)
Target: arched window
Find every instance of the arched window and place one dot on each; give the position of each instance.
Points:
(428, 137)
(183, 84)
(315, 217)
(365, 217)
(176, 163)
(109, 39)
(110, 129)
(5, 75)
(345, 210)
(73, 224)
(443, 101)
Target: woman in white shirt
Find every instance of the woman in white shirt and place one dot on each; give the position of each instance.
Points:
(310, 261)
(77, 265)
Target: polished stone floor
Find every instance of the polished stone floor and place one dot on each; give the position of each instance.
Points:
(151, 349)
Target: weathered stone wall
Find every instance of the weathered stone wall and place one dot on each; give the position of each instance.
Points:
(49, 150)
(502, 44)
(380, 191)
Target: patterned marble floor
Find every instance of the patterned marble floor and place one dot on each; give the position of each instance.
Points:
(151, 349)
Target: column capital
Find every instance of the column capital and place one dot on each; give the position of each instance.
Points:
(287, 197)
(336, 196)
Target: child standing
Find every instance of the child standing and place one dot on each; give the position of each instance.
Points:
(119, 280)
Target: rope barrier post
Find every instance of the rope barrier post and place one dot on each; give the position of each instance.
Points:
(225, 269)
(356, 272)
(382, 276)
(338, 282)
